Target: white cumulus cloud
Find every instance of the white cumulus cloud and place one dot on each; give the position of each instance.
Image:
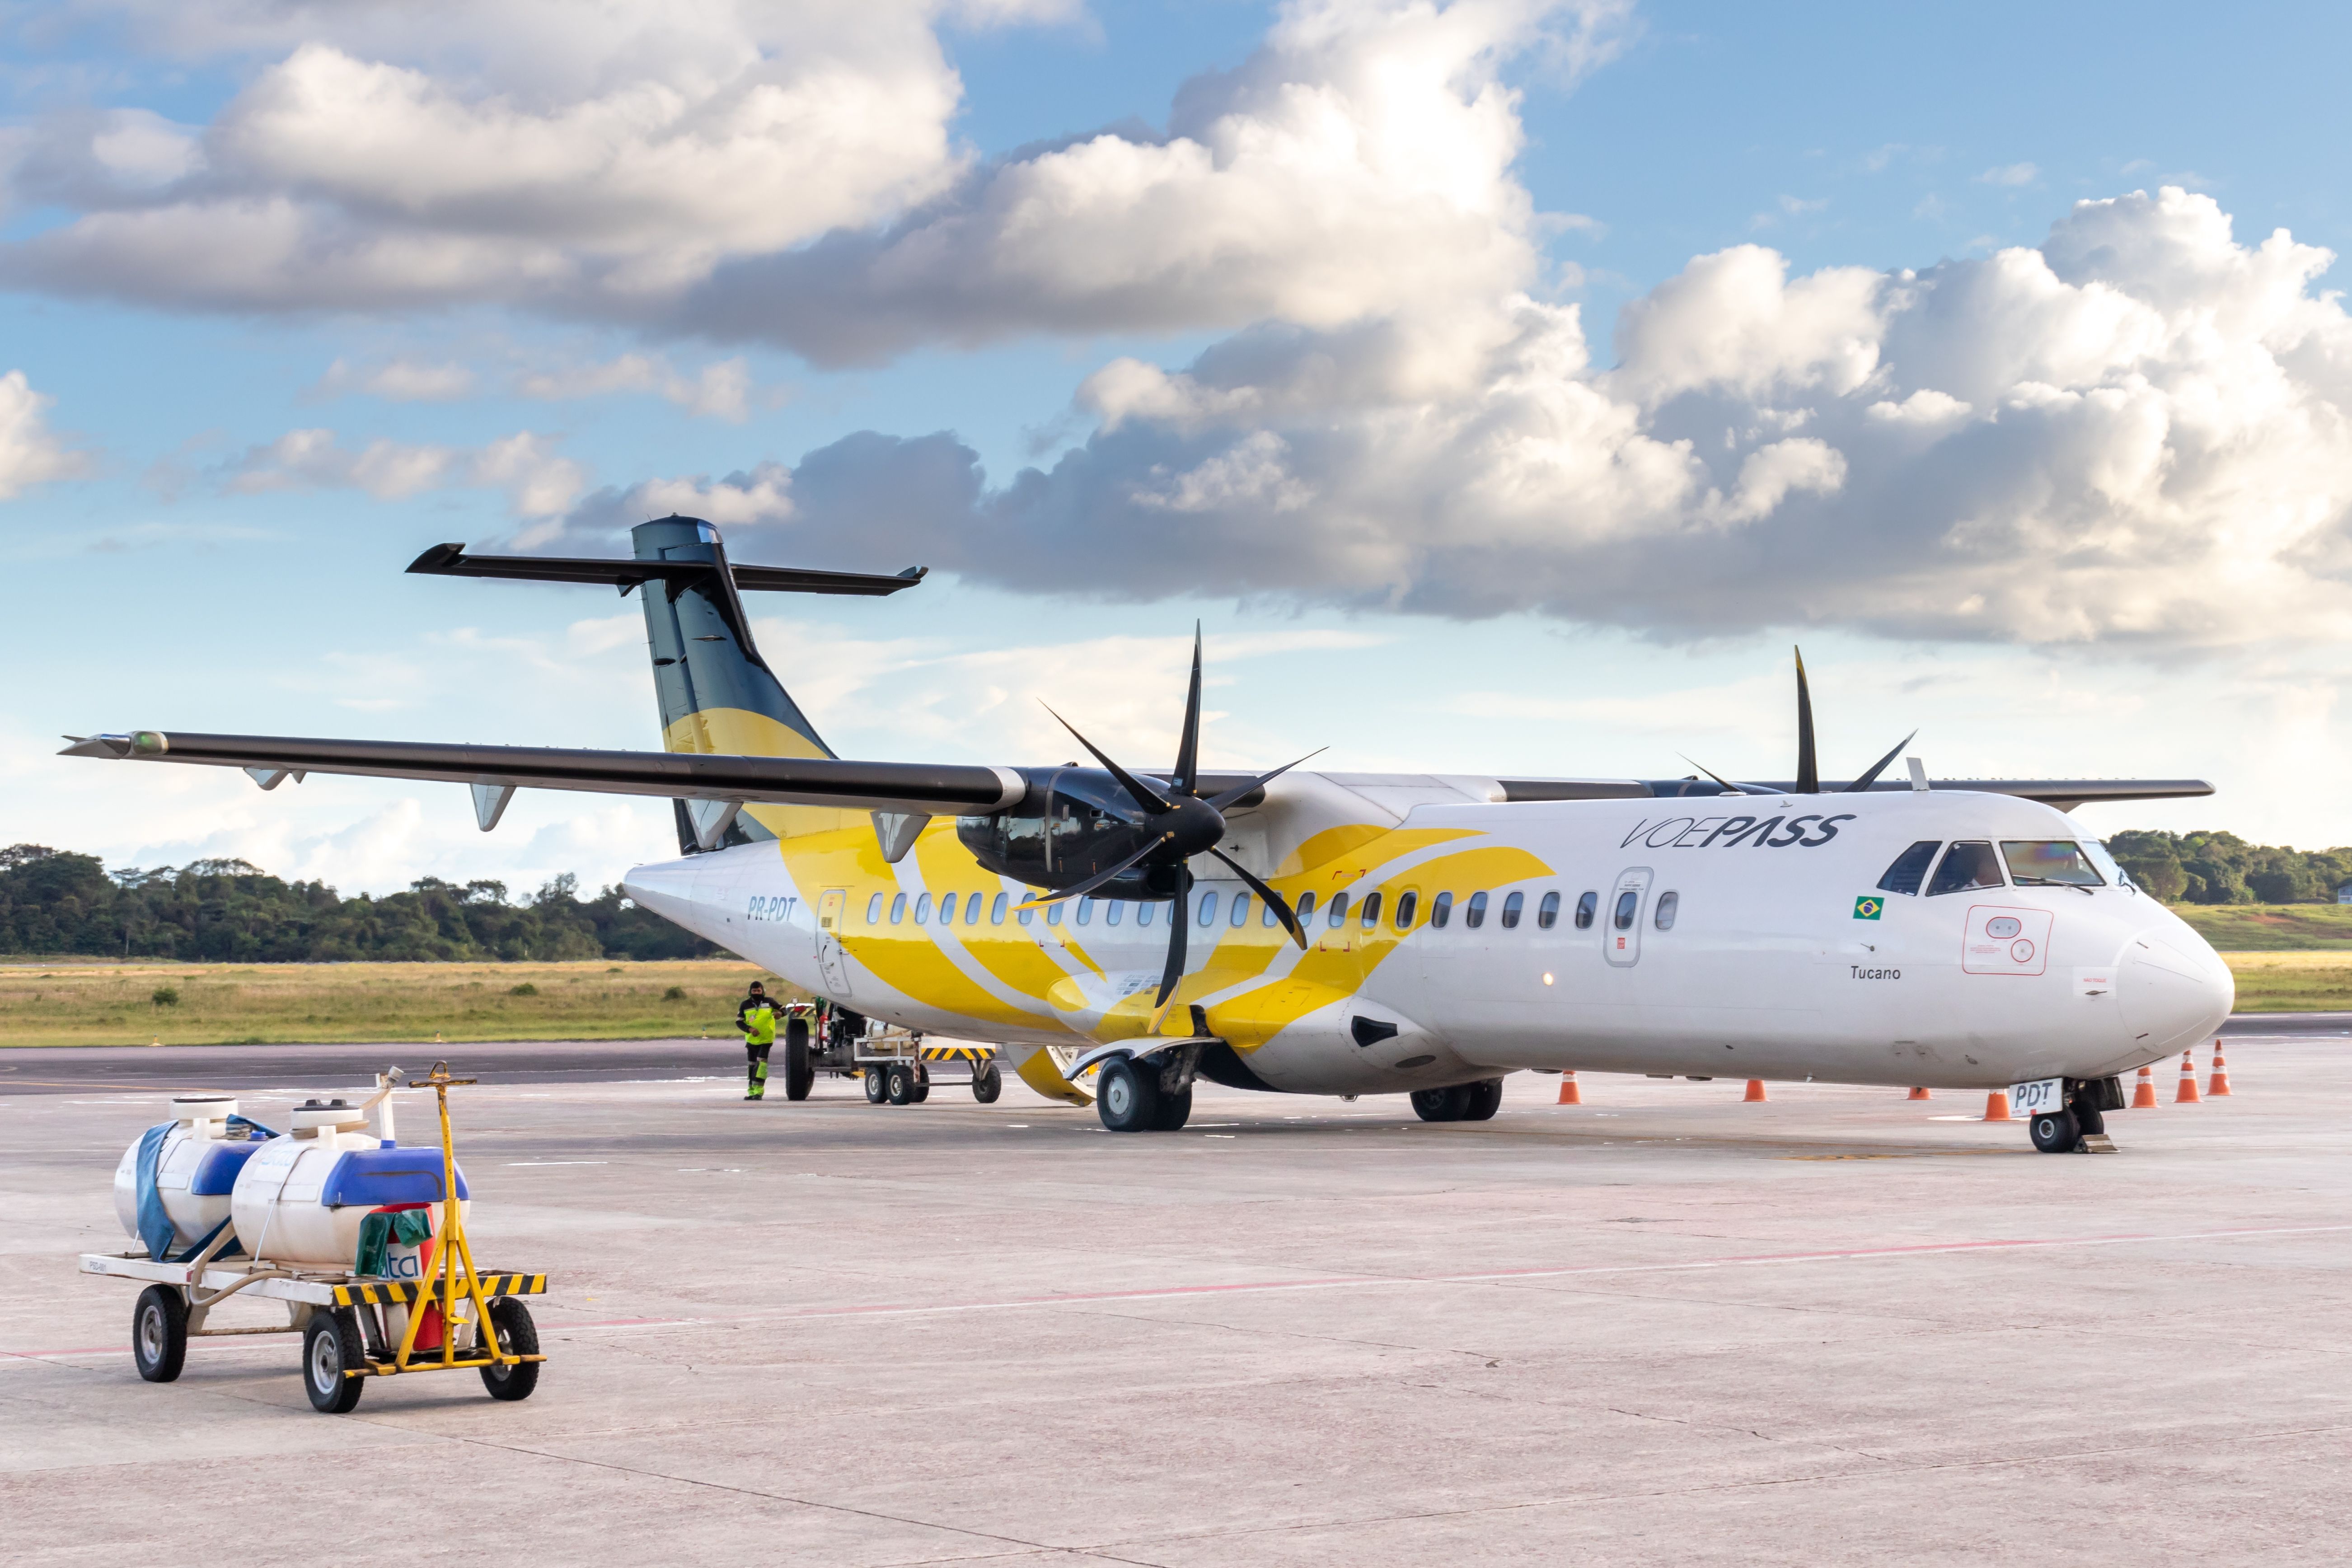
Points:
(538, 480)
(30, 452)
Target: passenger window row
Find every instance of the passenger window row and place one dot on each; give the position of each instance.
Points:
(1366, 911)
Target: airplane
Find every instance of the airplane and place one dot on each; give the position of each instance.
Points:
(1348, 933)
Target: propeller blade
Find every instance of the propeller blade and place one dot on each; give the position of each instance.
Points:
(1878, 767)
(1099, 878)
(1274, 901)
(1183, 919)
(1734, 788)
(1808, 772)
(1187, 749)
(1230, 795)
(1145, 795)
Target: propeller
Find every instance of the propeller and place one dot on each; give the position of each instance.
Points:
(1184, 826)
(1809, 772)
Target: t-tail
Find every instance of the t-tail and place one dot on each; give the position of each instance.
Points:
(717, 695)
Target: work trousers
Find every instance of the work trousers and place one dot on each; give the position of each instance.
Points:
(757, 1056)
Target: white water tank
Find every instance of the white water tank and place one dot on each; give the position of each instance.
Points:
(300, 1199)
(195, 1168)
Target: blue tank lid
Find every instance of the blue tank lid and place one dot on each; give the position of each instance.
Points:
(371, 1178)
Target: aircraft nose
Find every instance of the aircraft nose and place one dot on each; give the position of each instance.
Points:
(2173, 997)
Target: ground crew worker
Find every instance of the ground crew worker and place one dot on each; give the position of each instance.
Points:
(757, 1018)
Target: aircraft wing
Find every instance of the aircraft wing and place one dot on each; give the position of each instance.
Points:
(914, 788)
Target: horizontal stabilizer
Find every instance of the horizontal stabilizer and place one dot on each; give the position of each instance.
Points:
(451, 561)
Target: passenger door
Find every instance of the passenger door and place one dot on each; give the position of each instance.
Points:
(1622, 918)
(830, 958)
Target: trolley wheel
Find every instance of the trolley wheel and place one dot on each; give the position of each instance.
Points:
(922, 1090)
(330, 1344)
(159, 1333)
(874, 1087)
(510, 1320)
(898, 1084)
(987, 1083)
(799, 1071)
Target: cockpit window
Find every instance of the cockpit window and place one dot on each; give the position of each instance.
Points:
(2049, 862)
(1910, 867)
(2106, 862)
(1965, 866)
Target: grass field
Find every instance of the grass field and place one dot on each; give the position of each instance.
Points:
(89, 1004)
(2270, 928)
(2292, 982)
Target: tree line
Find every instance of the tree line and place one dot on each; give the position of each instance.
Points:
(217, 911)
(2223, 868)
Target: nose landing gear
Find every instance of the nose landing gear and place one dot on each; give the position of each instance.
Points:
(2081, 1126)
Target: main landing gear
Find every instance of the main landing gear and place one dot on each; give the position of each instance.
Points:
(1153, 1095)
(1462, 1102)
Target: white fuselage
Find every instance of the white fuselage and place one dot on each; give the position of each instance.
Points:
(1773, 965)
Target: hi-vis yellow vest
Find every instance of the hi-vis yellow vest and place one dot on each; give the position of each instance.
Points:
(763, 1030)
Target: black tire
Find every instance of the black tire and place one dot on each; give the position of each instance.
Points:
(2087, 1120)
(875, 1088)
(922, 1089)
(1127, 1097)
(159, 1333)
(1441, 1104)
(800, 1072)
(987, 1082)
(898, 1084)
(510, 1320)
(1175, 1109)
(1480, 1101)
(330, 1345)
(2054, 1131)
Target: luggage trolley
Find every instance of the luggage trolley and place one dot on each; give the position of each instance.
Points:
(895, 1064)
(353, 1326)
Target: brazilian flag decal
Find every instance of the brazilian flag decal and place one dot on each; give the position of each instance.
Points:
(1867, 908)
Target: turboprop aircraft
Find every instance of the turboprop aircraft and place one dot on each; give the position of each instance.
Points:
(1348, 933)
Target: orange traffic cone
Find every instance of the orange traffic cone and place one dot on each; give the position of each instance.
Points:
(2220, 1085)
(1995, 1106)
(1755, 1091)
(2144, 1097)
(2187, 1093)
(1568, 1092)
(1917, 1094)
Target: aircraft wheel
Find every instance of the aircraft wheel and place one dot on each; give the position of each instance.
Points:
(2054, 1131)
(159, 1333)
(922, 1089)
(2087, 1120)
(330, 1344)
(1480, 1101)
(875, 1088)
(987, 1083)
(1126, 1097)
(1441, 1104)
(898, 1084)
(1175, 1109)
(800, 1072)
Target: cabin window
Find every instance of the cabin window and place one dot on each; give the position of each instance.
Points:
(1476, 915)
(1053, 914)
(1585, 904)
(923, 909)
(947, 909)
(1208, 915)
(1086, 912)
(1669, 906)
(1408, 905)
(1511, 908)
(1966, 868)
(1910, 867)
(1113, 910)
(898, 908)
(1241, 911)
(1629, 903)
(1142, 913)
(1371, 916)
(1547, 912)
(1266, 917)
(874, 910)
(2049, 862)
(1441, 910)
(1023, 915)
(1338, 915)
(971, 910)
(996, 909)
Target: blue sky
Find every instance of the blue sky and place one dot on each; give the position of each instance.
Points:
(1504, 387)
